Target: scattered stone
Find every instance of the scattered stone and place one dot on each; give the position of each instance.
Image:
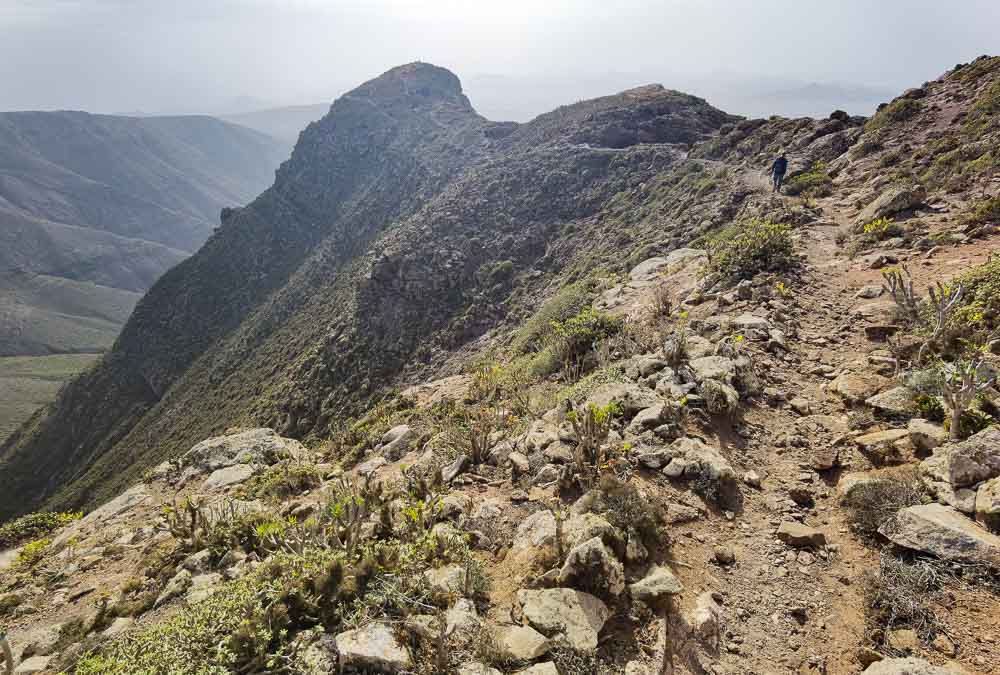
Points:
(909, 666)
(375, 647)
(36, 664)
(800, 536)
(801, 405)
(897, 401)
(519, 462)
(943, 532)
(724, 555)
(892, 201)
(230, 475)
(881, 332)
(630, 396)
(854, 387)
(547, 668)
(535, 531)
(926, 435)
(968, 462)
(869, 292)
(521, 643)
(203, 586)
(988, 504)
(118, 626)
(592, 566)
(660, 581)
(474, 669)
(396, 442)
(878, 439)
(372, 465)
(752, 478)
(580, 616)
(175, 587)
(905, 640)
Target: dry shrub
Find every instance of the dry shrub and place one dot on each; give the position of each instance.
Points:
(874, 502)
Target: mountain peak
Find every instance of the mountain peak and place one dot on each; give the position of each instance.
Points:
(416, 82)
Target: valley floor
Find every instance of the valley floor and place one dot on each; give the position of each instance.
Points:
(29, 382)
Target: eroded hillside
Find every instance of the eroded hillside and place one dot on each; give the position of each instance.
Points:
(660, 419)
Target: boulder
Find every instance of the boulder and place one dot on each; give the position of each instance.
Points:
(447, 579)
(856, 387)
(580, 527)
(943, 532)
(397, 441)
(659, 582)
(579, 616)
(705, 620)
(799, 535)
(967, 462)
(909, 666)
(713, 368)
(877, 439)
(630, 396)
(547, 668)
(535, 531)
(228, 475)
(476, 669)
(373, 647)
(648, 418)
(894, 200)
(320, 658)
(751, 322)
(256, 446)
(203, 586)
(593, 566)
(926, 435)
(119, 506)
(700, 460)
(520, 643)
(36, 664)
(897, 401)
(118, 626)
(988, 504)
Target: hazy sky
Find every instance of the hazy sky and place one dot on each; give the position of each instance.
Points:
(219, 55)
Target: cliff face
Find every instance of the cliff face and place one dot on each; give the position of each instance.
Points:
(398, 230)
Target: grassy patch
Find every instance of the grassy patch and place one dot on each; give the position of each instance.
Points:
(898, 111)
(814, 183)
(874, 502)
(33, 526)
(569, 301)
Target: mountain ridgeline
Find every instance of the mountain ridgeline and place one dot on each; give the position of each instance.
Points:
(403, 227)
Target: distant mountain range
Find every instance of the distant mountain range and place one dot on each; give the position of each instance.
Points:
(94, 208)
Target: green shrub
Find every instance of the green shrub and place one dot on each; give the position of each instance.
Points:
(983, 114)
(881, 229)
(33, 526)
(32, 553)
(743, 250)
(282, 481)
(901, 594)
(986, 211)
(814, 183)
(568, 302)
(574, 338)
(899, 110)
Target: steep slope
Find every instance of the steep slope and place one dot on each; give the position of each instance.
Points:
(398, 229)
(112, 201)
(730, 459)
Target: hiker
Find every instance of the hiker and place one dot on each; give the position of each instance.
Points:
(778, 171)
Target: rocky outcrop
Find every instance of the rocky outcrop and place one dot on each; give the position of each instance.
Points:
(943, 532)
(910, 666)
(374, 647)
(579, 616)
(891, 202)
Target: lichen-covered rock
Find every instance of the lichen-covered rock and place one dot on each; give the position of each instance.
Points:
(943, 532)
(520, 643)
(967, 462)
(535, 531)
(228, 475)
(659, 582)
(579, 616)
(988, 504)
(892, 201)
(375, 647)
(396, 442)
(256, 446)
(631, 397)
(909, 666)
(593, 566)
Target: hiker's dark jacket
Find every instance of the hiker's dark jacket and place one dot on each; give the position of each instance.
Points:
(780, 166)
